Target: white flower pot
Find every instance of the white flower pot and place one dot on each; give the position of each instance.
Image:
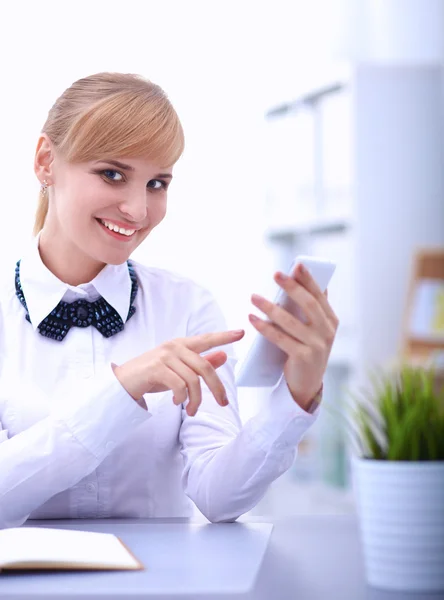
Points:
(401, 517)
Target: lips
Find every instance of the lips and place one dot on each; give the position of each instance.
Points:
(127, 236)
(117, 227)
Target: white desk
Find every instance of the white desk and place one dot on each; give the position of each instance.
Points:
(307, 558)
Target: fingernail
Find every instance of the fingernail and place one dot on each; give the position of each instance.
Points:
(302, 269)
(257, 298)
(253, 318)
(225, 401)
(237, 331)
(281, 277)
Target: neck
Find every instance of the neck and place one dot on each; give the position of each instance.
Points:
(66, 261)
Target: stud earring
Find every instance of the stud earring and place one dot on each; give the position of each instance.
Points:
(44, 187)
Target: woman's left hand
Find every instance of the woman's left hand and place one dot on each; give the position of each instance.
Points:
(307, 345)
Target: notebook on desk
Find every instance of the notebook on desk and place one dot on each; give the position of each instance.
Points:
(40, 548)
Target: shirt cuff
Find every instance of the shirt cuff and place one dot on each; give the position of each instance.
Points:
(100, 414)
(282, 423)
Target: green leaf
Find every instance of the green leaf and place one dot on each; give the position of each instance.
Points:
(401, 416)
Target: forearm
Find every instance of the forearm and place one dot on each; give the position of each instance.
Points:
(228, 480)
(55, 453)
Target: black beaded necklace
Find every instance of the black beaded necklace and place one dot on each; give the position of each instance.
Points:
(80, 313)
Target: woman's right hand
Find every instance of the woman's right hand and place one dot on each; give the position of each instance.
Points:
(176, 365)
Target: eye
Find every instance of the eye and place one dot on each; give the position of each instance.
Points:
(161, 184)
(112, 174)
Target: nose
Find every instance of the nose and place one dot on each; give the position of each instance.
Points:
(135, 207)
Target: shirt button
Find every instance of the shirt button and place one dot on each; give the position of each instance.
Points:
(281, 445)
(90, 487)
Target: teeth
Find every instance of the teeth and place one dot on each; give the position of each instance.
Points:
(117, 229)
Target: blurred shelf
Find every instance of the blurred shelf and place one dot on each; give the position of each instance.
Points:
(433, 361)
(317, 226)
(309, 99)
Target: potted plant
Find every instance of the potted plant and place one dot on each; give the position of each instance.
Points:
(398, 479)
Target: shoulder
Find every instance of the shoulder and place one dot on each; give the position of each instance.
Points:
(157, 276)
(9, 304)
(7, 281)
(176, 296)
(170, 286)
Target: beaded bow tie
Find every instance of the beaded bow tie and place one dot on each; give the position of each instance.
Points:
(81, 313)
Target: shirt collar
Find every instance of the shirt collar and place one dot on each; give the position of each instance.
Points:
(43, 290)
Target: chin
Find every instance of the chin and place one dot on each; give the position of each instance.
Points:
(113, 252)
(108, 256)
(115, 257)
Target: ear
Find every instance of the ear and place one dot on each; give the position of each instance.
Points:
(44, 159)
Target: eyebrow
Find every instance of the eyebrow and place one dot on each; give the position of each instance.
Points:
(125, 167)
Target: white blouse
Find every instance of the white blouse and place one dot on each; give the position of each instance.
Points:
(75, 444)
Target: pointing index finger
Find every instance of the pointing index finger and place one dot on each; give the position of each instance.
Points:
(206, 341)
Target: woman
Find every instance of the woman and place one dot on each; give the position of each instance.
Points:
(117, 395)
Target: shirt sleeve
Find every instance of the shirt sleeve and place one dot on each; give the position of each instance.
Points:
(227, 467)
(3, 434)
(55, 453)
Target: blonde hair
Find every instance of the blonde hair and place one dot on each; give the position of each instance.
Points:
(109, 115)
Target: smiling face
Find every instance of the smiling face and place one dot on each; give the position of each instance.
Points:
(101, 210)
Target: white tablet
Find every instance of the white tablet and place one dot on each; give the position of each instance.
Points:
(264, 362)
